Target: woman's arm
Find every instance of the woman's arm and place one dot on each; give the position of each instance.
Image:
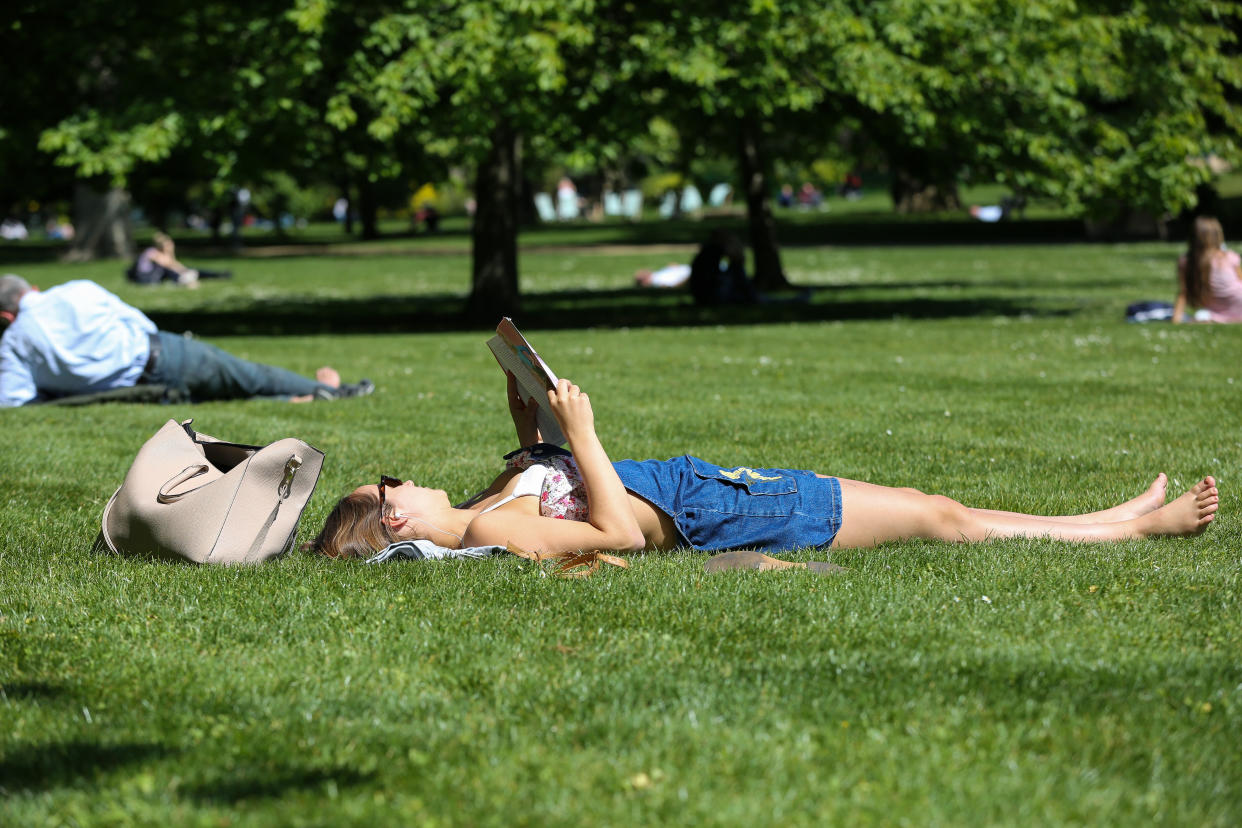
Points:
(164, 260)
(523, 414)
(1179, 304)
(612, 523)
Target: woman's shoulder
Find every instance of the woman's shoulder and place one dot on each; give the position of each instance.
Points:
(1231, 257)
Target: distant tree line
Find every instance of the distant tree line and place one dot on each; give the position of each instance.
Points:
(1105, 107)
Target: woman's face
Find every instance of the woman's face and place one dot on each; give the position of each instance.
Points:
(408, 499)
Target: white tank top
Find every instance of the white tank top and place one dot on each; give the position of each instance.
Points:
(530, 482)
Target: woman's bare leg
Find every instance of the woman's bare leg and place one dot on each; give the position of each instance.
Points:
(1148, 501)
(874, 514)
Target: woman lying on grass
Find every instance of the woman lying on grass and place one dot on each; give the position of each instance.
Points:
(540, 503)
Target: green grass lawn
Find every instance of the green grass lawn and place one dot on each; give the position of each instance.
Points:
(1018, 682)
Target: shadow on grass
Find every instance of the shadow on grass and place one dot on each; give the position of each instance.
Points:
(1007, 686)
(267, 785)
(577, 309)
(25, 691)
(1085, 689)
(54, 765)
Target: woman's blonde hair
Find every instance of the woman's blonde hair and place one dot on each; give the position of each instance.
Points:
(160, 239)
(353, 528)
(1205, 240)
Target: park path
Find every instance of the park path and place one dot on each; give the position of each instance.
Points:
(273, 251)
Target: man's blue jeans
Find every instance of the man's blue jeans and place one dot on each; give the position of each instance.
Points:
(207, 373)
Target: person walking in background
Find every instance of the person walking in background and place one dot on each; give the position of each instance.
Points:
(1209, 277)
(241, 211)
(158, 263)
(78, 338)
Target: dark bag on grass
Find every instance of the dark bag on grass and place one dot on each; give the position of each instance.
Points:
(1149, 312)
(192, 497)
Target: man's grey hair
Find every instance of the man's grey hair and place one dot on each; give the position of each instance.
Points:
(12, 288)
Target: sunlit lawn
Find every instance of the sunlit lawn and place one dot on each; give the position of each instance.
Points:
(1016, 682)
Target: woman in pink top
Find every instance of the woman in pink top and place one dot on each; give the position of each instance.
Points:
(1208, 276)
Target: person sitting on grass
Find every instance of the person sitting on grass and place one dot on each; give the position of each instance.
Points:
(78, 338)
(1209, 277)
(552, 501)
(718, 273)
(158, 263)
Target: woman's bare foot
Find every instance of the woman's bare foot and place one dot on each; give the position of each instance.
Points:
(1148, 501)
(1190, 514)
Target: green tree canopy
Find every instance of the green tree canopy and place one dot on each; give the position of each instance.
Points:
(1093, 104)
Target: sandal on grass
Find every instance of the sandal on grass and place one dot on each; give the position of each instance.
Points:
(743, 559)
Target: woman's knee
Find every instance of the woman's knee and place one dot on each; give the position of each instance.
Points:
(950, 520)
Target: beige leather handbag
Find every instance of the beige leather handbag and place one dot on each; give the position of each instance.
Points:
(192, 497)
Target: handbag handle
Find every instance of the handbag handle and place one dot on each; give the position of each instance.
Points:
(189, 472)
(165, 494)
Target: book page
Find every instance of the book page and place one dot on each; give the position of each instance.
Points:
(534, 377)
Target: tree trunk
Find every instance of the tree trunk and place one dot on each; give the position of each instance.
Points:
(528, 214)
(101, 220)
(769, 274)
(158, 217)
(494, 274)
(368, 209)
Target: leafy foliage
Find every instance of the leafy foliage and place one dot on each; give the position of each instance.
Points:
(1097, 105)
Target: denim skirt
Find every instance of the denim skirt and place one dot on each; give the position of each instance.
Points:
(722, 507)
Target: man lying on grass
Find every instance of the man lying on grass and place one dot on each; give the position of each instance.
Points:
(551, 500)
(78, 338)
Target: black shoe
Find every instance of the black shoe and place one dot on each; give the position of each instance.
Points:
(215, 274)
(361, 388)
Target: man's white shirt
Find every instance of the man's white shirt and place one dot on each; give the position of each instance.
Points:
(75, 338)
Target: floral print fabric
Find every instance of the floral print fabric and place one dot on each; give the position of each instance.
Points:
(564, 494)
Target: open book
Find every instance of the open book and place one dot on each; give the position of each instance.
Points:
(534, 378)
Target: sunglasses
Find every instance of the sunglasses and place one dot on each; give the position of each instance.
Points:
(385, 481)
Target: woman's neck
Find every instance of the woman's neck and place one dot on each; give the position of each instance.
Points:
(444, 528)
